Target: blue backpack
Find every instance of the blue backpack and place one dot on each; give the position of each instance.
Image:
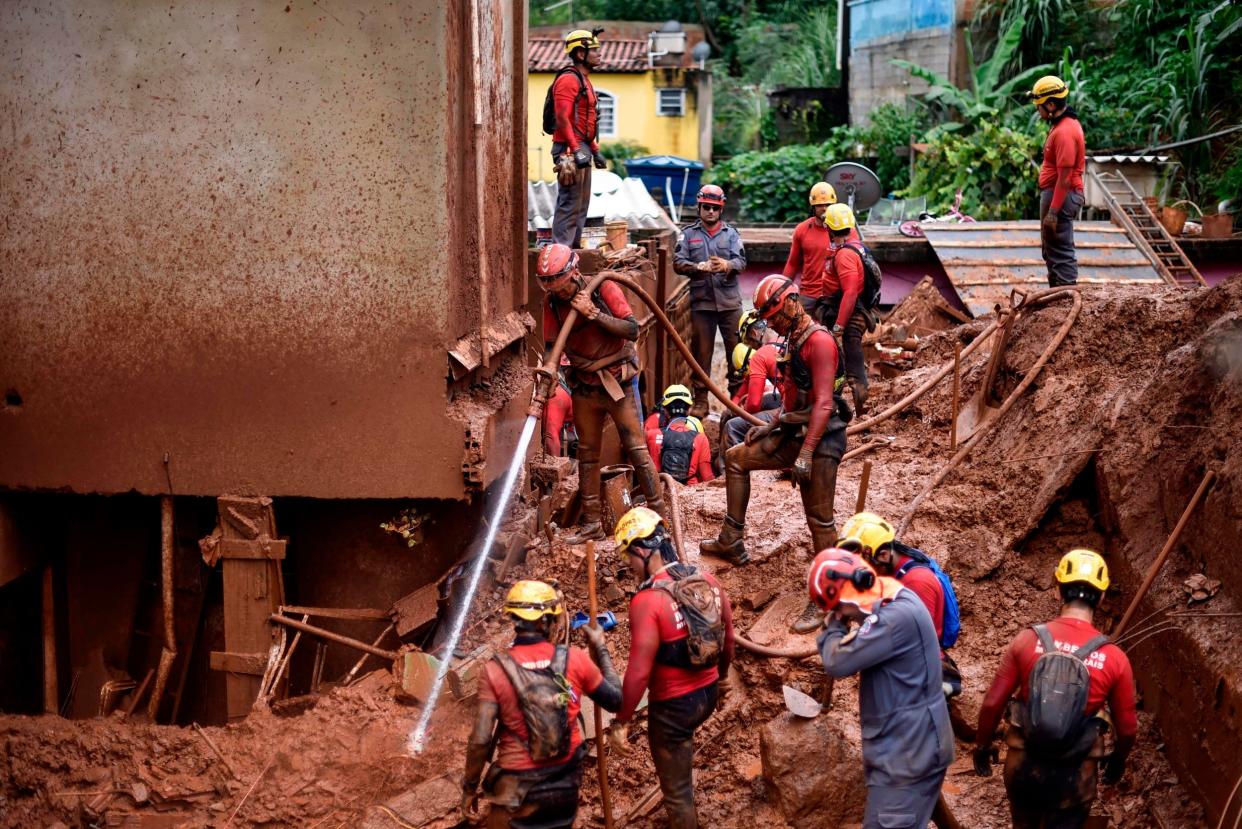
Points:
(952, 613)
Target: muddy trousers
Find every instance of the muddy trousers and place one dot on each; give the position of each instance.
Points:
(704, 325)
(777, 451)
(571, 205)
(1049, 795)
(908, 806)
(591, 406)
(824, 311)
(671, 724)
(549, 798)
(1058, 249)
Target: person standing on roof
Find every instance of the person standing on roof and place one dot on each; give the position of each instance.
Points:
(1060, 179)
(681, 449)
(602, 363)
(806, 433)
(531, 695)
(681, 624)
(1062, 672)
(710, 253)
(811, 247)
(847, 305)
(575, 141)
(881, 631)
(758, 361)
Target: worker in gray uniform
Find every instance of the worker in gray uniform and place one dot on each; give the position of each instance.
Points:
(881, 630)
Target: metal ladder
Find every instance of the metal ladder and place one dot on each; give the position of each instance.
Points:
(1146, 232)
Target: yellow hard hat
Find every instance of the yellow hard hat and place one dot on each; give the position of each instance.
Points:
(532, 600)
(865, 533)
(839, 217)
(741, 356)
(695, 424)
(639, 522)
(746, 321)
(677, 392)
(822, 193)
(1086, 566)
(1049, 86)
(580, 38)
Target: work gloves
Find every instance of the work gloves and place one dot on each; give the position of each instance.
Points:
(594, 637)
(566, 170)
(802, 466)
(1049, 223)
(601, 163)
(1114, 768)
(982, 756)
(582, 157)
(584, 305)
(618, 738)
(760, 432)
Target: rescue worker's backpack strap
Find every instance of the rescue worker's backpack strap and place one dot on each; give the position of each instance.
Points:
(1091, 647)
(543, 695)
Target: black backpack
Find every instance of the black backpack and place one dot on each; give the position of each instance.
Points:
(676, 450)
(549, 107)
(873, 277)
(700, 609)
(1056, 724)
(543, 694)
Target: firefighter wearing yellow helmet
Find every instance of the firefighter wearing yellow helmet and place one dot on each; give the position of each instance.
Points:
(1060, 178)
(571, 117)
(808, 252)
(530, 695)
(1062, 673)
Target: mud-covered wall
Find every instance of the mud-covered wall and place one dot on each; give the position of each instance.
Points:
(243, 235)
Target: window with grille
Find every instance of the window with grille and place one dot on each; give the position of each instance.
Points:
(671, 102)
(607, 109)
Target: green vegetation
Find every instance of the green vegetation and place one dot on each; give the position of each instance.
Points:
(619, 152)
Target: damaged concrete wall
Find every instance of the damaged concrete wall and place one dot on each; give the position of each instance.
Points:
(243, 236)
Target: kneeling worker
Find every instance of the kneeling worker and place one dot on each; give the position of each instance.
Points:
(682, 450)
(682, 628)
(883, 632)
(1062, 672)
(758, 362)
(534, 691)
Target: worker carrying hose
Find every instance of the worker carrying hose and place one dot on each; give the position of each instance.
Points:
(811, 247)
(1062, 673)
(807, 433)
(681, 627)
(603, 363)
(881, 631)
(1060, 179)
(851, 293)
(682, 450)
(530, 695)
(711, 254)
(757, 358)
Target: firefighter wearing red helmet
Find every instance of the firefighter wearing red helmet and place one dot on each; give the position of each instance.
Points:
(883, 632)
(602, 376)
(711, 254)
(806, 433)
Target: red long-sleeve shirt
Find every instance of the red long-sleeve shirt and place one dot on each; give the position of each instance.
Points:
(1111, 679)
(654, 618)
(844, 273)
(808, 256)
(588, 340)
(819, 352)
(762, 368)
(1065, 151)
(556, 413)
(700, 455)
(924, 584)
(573, 130)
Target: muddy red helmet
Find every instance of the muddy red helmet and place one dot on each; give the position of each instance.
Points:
(771, 293)
(837, 575)
(555, 264)
(711, 194)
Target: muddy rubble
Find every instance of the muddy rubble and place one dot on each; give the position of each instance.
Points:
(1105, 450)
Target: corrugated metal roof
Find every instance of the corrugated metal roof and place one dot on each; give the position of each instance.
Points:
(612, 198)
(1128, 159)
(548, 55)
(985, 260)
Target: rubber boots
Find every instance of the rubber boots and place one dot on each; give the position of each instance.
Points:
(590, 529)
(729, 544)
(699, 409)
(860, 396)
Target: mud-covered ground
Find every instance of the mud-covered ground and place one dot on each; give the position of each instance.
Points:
(1028, 492)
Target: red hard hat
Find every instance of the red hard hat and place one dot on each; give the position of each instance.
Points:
(711, 194)
(555, 263)
(838, 575)
(771, 293)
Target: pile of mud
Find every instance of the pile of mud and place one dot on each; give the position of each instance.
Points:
(1105, 450)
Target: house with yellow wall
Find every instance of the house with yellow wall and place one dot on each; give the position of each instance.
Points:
(653, 88)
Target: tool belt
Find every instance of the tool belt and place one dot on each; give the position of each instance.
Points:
(600, 369)
(508, 788)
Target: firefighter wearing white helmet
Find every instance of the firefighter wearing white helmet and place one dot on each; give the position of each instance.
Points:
(1060, 178)
(530, 695)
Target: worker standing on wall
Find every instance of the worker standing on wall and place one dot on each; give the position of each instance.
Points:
(602, 362)
(807, 433)
(1062, 672)
(1060, 179)
(850, 297)
(681, 625)
(530, 695)
(575, 139)
(710, 253)
(882, 631)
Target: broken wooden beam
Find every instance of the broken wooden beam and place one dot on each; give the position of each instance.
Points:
(336, 612)
(333, 637)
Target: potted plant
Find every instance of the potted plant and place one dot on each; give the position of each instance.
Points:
(1173, 217)
(1219, 224)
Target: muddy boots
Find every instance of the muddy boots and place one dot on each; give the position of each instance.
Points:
(860, 396)
(729, 544)
(590, 528)
(699, 409)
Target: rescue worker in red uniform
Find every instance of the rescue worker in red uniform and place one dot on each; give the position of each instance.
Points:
(757, 359)
(841, 308)
(681, 449)
(674, 404)
(1060, 179)
(602, 363)
(807, 433)
(811, 247)
(533, 783)
(1053, 788)
(575, 142)
(557, 412)
(680, 651)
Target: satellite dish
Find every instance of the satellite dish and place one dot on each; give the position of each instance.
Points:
(856, 185)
